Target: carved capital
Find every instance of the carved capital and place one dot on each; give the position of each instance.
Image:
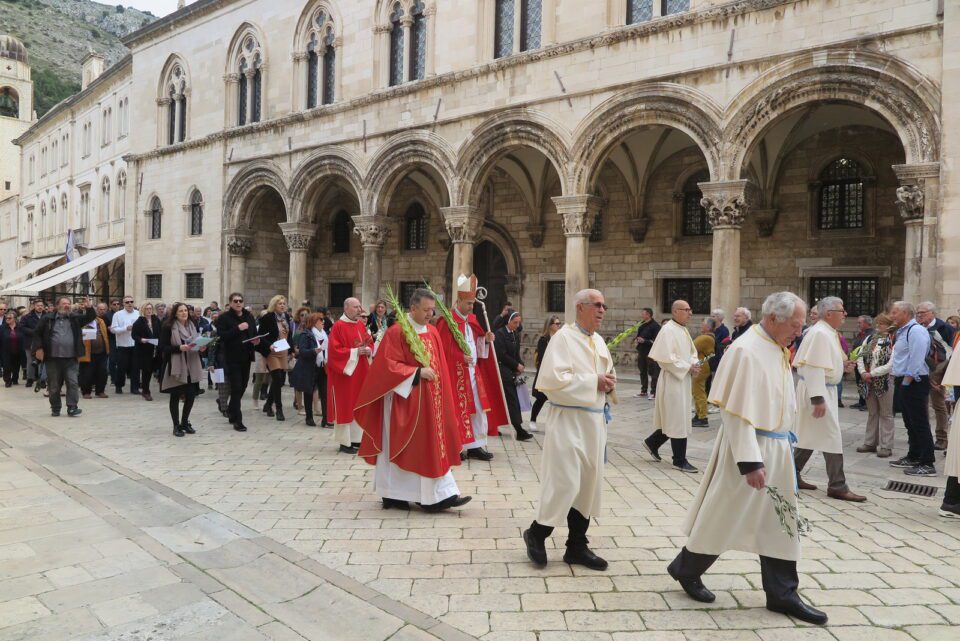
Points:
(463, 223)
(726, 202)
(577, 213)
(638, 229)
(766, 221)
(239, 244)
(372, 230)
(910, 201)
(911, 197)
(231, 77)
(298, 236)
(298, 56)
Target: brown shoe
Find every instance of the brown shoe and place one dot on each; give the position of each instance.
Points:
(866, 448)
(102, 395)
(940, 446)
(803, 485)
(846, 496)
(884, 453)
(147, 397)
(87, 396)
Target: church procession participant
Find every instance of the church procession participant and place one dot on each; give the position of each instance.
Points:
(348, 362)
(237, 330)
(754, 389)
(408, 415)
(275, 325)
(474, 393)
(820, 365)
(578, 377)
(950, 507)
(676, 354)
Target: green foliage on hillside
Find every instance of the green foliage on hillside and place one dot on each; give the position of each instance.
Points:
(49, 89)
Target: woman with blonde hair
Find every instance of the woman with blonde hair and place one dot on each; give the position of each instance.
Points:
(550, 327)
(877, 387)
(146, 330)
(276, 325)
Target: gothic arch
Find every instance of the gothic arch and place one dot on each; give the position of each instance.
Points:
(245, 185)
(498, 135)
(663, 103)
(326, 163)
(234, 50)
(401, 153)
(165, 80)
(895, 91)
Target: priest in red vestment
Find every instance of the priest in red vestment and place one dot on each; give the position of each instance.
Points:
(408, 417)
(348, 362)
(476, 391)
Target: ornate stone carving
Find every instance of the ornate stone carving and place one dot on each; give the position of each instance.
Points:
(536, 232)
(298, 236)
(577, 213)
(910, 202)
(766, 221)
(638, 229)
(463, 223)
(372, 230)
(726, 202)
(239, 245)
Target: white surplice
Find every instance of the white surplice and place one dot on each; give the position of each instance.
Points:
(479, 418)
(391, 482)
(675, 352)
(571, 473)
(819, 363)
(952, 377)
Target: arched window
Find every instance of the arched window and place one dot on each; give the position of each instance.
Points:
(155, 212)
(342, 230)
(415, 236)
(9, 103)
(196, 213)
(173, 98)
(418, 42)
(257, 89)
(44, 230)
(248, 62)
(639, 11)
(396, 45)
(172, 118)
(531, 19)
(329, 68)
(503, 28)
(321, 56)
(105, 200)
(695, 222)
(670, 7)
(63, 206)
(121, 210)
(313, 69)
(841, 195)
(54, 221)
(242, 94)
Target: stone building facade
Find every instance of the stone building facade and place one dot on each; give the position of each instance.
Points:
(714, 150)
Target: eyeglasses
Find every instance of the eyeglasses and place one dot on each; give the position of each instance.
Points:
(839, 311)
(556, 322)
(128, 302)
(598, 305)
(684, 309)
(237, 300)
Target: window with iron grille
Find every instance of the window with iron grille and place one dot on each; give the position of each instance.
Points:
(639, 11)
(154, 285)
(531, 17)
(695, 291)
(695, 221)
(194, 285)
(841, 195)
(416, 228)
(556, 296)
(860, 295)
(342, 229)
(418, 42)
(182, 133)
(256, 94)
(155, 222)
(670, 7)
(596, 232)
(503, 28)
(313, 66)
(339, 292)
(396, 46)
(172, 119)
(329, 71)
(196, 214)
(242, 95)
(406, 289)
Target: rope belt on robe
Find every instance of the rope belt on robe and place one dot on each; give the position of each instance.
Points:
(784, 436)
(607, 416)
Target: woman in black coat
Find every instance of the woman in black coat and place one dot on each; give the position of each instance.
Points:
(307, 376)
(146, 328)
(276, 324)
(11, 349)
(550, 328)
(507, 345)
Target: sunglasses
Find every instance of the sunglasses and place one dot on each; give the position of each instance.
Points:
(555, 323)
(602, 306)
(128, 302)
(237, 300)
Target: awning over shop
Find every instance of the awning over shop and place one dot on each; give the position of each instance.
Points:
(63, 273)
(30, 268)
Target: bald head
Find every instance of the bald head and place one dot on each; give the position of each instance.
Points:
(352, 308)
(681, 312)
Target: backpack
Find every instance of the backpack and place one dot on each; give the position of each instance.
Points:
(939, 350)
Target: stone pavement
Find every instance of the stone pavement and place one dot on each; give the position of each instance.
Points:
(110, 528)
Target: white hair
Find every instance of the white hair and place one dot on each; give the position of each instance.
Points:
(929, 306)
(827, 303)
(718, 312)
(745, 312)
(583, 296)
(905, 306)
(781, 305)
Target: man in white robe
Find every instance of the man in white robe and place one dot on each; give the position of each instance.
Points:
(820, 364)
(676, 354)
(753, 387)
(578, 378)
(950, 508)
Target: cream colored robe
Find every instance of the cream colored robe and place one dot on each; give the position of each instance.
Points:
(819, 363)
(571, 473)
(952, 377)
(675, 353)
(754, 389)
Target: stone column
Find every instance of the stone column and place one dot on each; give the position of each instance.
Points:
(407, 23)
(577, 214)
(239, 245)
(918, 199)
(726, 205)
(373, 232)
(177, 109)
(249, 73)
(298, 237)
(463, 224)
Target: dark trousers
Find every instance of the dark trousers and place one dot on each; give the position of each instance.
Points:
(780, 580)
(187, 393)
(951, 495)
(11, 374)
(513, 403)
(912, 401)
(276, 384)
(127, 368)
(145, 368)
(577, 525)
(320, 376)
(834, 461)
(678, 445)
(93, 375)
(62, 371)
(112, 362)
(537, 405)
(236, 375)
(648, 369)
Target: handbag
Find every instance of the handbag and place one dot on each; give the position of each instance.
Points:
(523, 394)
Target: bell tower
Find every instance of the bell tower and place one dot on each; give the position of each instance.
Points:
(16, 110)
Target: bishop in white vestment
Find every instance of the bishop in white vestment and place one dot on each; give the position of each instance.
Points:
(578, 378)
(675, 353)
(732, 511)
(820, 364)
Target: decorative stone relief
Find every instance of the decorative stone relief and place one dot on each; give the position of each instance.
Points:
(638, 229)
(463, 224)
(372, 230)
(577, 213)
(239, 245)
(910, 201)
(725, 202)
(536, 233)
(766, 221)
(298, 236)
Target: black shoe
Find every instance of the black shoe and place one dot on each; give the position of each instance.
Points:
(839, 403)
(697, 591)
(480, 454)
(355, 446)
(309, 423)
(523, 435)
(654, 453)
(280, 416)
(177, 431)
(700, 422)
(134, 391)
(453, 501)
(119, 390)
(921, 470)
(536, 550)
(188, 428)
(327, 425)
(240, 427)
(950, 510)
(582, 555)
(397, 503)
(348, 450)
(29, 383)
(54, 412)
(268, 410)
(201, 391)
(904, 462)
(74, 411)
(685, 467)
(463, 456)
(798, 610)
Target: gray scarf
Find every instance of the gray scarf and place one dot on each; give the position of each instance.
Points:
(184, 366)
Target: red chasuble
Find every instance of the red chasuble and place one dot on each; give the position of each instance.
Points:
(491, 398)
(342, 389)
(424, 438)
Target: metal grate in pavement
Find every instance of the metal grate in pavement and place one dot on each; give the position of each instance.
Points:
(911, 488)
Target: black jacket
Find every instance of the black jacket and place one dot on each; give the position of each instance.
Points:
(28, 325)
(946, 331)
(12, 361)
(648, 332)
(41, 337)
(507, 345)
(145, 327)
(231, 347)
(740, 331)
(268, 326)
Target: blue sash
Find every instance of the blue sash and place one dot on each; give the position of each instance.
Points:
(784, 436)
(607, 414)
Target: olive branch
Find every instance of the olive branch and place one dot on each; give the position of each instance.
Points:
(619, 338)
(786, 512)
(451, 323)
